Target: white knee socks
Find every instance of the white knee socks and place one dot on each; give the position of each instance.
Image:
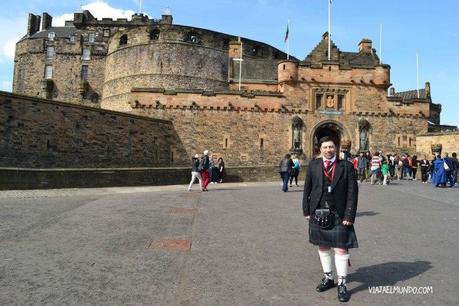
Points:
(341, 263)
(326, 261)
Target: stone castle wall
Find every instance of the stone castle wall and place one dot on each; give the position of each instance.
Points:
(448, 140)
(40, 133)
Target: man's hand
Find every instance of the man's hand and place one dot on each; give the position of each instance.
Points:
(307, 217)
(347, 223)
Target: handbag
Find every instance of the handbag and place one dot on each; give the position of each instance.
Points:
(445, 166)
(324, 218)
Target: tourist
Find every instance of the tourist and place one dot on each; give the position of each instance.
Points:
(425, 168)
(438, 172)
(414, 166)
(221, 169)
(449, 168)
(456, 165)
(213, 172)
(385, 172)
(204, 166)
(195, 172)
(375, 168)
(285, 170)
(330, 205)
(362, 166)
(295, 170)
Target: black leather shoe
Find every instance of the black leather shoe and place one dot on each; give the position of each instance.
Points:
(343, 294)
(325, 284)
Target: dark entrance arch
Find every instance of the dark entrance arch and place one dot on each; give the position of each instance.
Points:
(327, 129)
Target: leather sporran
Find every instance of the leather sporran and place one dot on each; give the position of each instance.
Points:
(324, 218)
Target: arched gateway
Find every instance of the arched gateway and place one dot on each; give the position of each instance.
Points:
(328, 128)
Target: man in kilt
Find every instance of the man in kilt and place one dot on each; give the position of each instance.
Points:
(329, 205)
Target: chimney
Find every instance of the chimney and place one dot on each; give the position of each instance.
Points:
(365, 46)
(33, 24)
(46, 21)
(392, 92)
(427, 89)
(166, 17)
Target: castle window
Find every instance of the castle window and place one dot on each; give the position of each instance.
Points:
(193, 37)
(91, 37)
(123, 40)
(319, 98)
(226, 143)
(154, 34)
(51, 36)
(84, 72)
(72, 38)
(284, 67)
(106, 32)
(276, 55)
(261, 143)
(257, 51)
(49, 52)
(340, 102)
(48, 72)
(86, 54)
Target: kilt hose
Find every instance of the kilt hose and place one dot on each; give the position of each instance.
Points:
(339, 236)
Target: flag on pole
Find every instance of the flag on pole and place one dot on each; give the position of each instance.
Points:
(286, 33)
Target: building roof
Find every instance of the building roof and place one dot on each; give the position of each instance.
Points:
(411, 94)
(346, 59)
(60, 32)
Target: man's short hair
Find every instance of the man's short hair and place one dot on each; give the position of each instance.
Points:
(325, 139)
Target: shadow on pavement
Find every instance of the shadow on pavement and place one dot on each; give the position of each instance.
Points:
(366, 213)
(387, 274)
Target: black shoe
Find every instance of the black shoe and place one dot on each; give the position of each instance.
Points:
(343, 294)
(325, 284)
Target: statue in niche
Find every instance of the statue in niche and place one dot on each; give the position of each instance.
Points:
(364, 126)
(297, 125)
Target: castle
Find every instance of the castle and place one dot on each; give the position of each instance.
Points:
(239, 98)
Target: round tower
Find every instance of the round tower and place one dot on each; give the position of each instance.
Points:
(287, 71)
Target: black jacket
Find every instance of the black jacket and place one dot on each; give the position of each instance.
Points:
(344, 189)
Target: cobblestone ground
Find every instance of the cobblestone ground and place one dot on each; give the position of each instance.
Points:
(238, 244)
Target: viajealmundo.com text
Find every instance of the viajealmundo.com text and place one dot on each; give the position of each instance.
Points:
(400, 290)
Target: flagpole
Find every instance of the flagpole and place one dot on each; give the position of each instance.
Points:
(288, 40)
(417, 74)
(380, 43)
(329, 29)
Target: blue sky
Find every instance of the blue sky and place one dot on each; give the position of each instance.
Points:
(426, 27)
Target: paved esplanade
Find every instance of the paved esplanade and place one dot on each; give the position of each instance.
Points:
(248, 246)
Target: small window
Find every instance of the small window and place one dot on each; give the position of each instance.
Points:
(106, 32)
(226, 143)
(261, 143)
(256, 51)
(340, 102)
(123, 40)
(51, 36)
(318, 101)
(72, 38)
(91, 37)
(86, 54)
(48, 72)
(154, 34)
(49, 52)
(193, 37)
(226, 42)
(84, 72)
(283, 68)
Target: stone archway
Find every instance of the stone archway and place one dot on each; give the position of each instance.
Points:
(327, 128)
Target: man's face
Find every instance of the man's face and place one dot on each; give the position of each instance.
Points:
(328, 149)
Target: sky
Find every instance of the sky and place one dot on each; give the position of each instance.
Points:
(425, 27)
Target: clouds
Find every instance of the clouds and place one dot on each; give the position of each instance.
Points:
(11, 31)
(99, 9)
(6, 85)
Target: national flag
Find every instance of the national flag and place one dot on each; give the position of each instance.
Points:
(286, 34)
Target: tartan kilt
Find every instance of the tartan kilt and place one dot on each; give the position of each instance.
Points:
(339, 236)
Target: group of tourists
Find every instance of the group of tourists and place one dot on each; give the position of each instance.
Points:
(380, 169)
(206, 170)
(289, 169)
